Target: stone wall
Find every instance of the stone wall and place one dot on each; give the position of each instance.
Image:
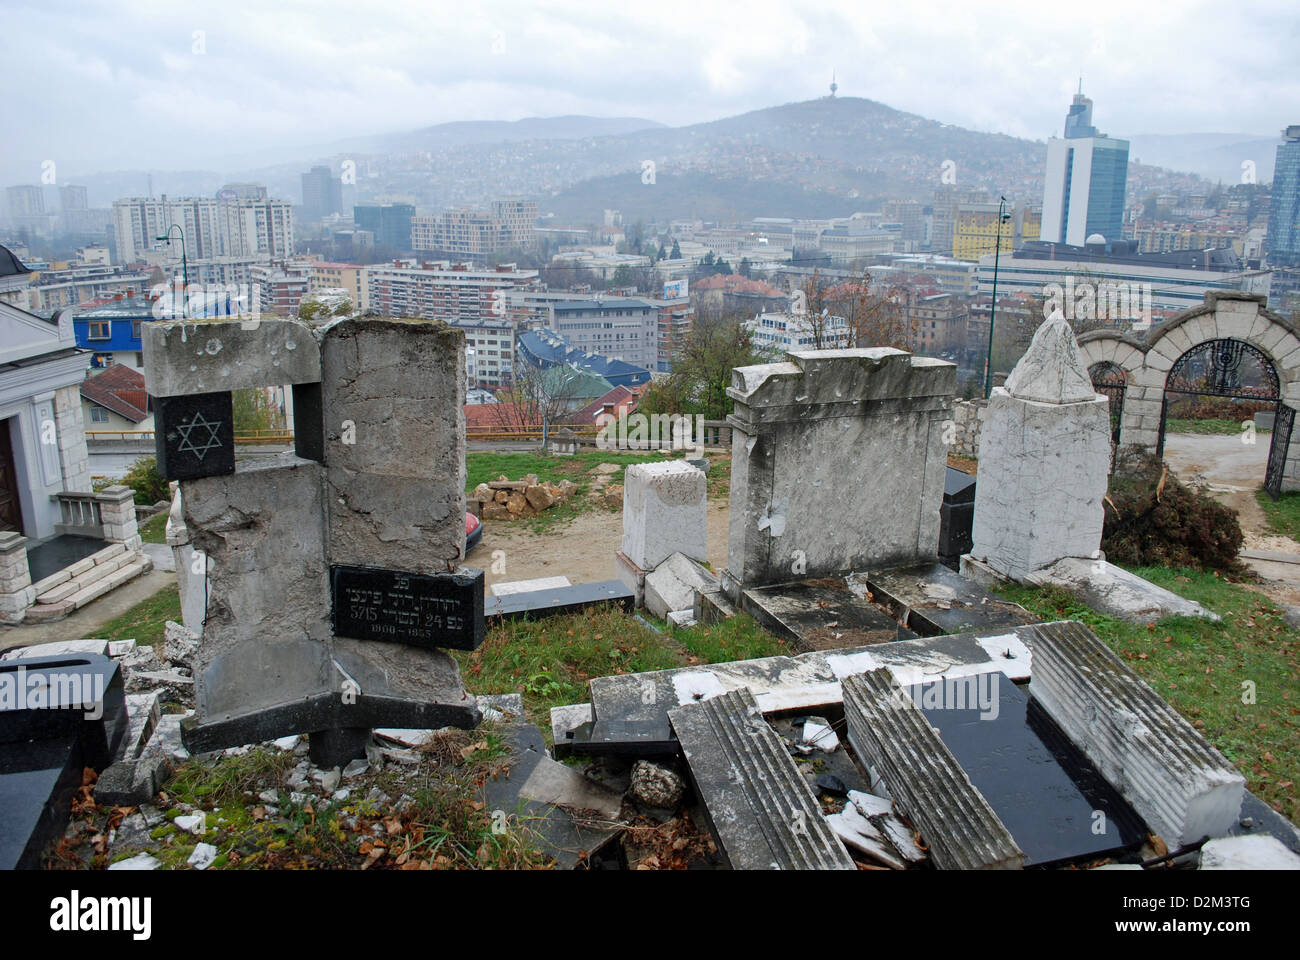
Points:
(968, 418)
(74, 459)
(838, 463)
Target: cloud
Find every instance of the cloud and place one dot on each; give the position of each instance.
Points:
(117, 83)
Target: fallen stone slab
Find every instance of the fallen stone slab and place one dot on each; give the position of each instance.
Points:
(144, 710)
(1175, 779)
(130, 783)
(511, 587)
(558, 600)
(569, 818)
(672, 585)
(931, 599)
(1115, 591)
(57, 648)
(891, 735)
(859, 833)
(809, 681)
(760, 808)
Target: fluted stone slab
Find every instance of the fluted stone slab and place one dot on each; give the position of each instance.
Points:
(1174, 778)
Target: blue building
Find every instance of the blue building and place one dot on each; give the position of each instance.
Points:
(1282, 243)
(110, 328)
(545, 348)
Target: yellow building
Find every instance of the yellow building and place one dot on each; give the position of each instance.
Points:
(347, 276)
(975, 230)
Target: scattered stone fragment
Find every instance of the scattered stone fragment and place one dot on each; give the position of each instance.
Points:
(858, 833)
(195, 823)
(202, 856)
(179, 644)
(287, 743)
(141, 861)
(356, 768)
(269, 796)
(120, 648)
(818, 733)
(133, 831)
(1259, 851)
(656, 785)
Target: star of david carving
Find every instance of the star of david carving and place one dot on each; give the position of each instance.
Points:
(192, 431)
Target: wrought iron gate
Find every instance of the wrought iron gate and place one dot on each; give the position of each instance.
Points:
(1110, 381)
(1282, 424)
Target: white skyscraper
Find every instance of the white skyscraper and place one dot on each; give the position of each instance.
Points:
(1086, 177)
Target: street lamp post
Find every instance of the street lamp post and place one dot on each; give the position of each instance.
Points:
(185, 266)
(1003, 217)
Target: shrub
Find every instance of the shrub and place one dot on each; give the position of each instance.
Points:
(1153, 519)
(144, 479)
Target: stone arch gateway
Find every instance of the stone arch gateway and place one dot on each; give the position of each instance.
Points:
(1226, 315)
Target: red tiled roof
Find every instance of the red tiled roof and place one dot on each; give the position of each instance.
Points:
(120, 389)
(620, 401)
(504, 415)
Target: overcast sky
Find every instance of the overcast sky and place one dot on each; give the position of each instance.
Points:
(134, 84)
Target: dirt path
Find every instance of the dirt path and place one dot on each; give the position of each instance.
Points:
(582, 550)
(1233, 472)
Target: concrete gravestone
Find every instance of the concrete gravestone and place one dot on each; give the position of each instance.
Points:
(838, 460)
(333, 585)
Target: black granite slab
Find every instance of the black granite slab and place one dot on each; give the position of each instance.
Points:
(327, 712)
(194, 436)
(38, 780)
(572, 599)
(51, 698)
(935, 600)
(624, 738)
(958, 487)
(1043, 790)
(821, 615)
(443, 610)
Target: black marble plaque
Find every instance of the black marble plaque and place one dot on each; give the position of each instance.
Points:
(423, 610)
(194, 435)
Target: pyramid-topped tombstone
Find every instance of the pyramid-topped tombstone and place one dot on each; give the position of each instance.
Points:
(1052, 369)
(1044, 460)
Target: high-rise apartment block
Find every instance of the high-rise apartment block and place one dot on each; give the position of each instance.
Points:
(465, 231)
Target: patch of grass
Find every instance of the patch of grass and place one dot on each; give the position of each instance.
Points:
(154, 530)
(145, 621)
(1210, 426)
(736, 638)
(549, 661)
(1283, 515)
(1206, 670)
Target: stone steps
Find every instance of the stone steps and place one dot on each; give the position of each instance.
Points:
(80, 567)
(73, 594)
